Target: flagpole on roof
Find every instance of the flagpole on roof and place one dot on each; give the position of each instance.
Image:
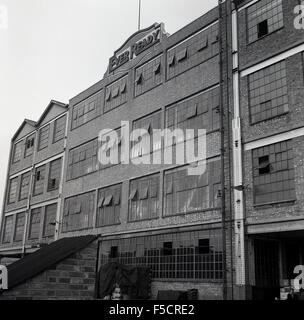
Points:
(139, 14)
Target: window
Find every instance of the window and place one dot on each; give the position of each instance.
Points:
(78, 212)
(193, 51)
(34, 229)
(108, 206)
(39, 180)
(29, 145)
(199, 112)
(55, 174)
(83, 112)
(25, 186)
(149, 74)
(268, 92)
(83, 160)
(7, 230)
(185, 194)
(179, 255)
(19, 229)
(148, 123)
(12, 193)
(43, 140)
(59, 129)
(273, 173)
(49, 220)
(17, 153)
(116, 94)
(264, 17)
(144, 198)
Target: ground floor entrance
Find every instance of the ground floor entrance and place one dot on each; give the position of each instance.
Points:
(272, 259)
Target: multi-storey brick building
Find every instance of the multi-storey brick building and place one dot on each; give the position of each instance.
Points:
(232, 232)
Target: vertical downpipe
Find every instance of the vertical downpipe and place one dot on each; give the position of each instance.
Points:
(223, 198)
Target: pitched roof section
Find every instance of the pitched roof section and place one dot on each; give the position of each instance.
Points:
(49, 107)
(26, 121)
(35, 124)
(44, 258)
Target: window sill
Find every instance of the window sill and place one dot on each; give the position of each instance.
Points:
(271, 118)
(290, 201)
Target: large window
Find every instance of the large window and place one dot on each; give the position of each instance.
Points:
(116, 94)
(144, 198)
(43, 139)
(148, 76)
(25, 185)
(86, 110)
(108, 207)
(59, 129)
(193, 51)
(29, 145)
(54, 175)
(183, 255)
(148, 123)
(12, 191)
(34, 229)
(17, 151)
(268, 92)
(19, 229)
(273, 173)
(185, 193)
(264, 17)
(39, 180)
(7, 230)
(49, 220)
(83, 160)
(78, 212)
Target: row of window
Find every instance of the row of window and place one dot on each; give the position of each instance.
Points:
(198, 112)
(25, 148)
(191, 52)
(41, 225)
(183, 194)
(19, 187)
(182, 255)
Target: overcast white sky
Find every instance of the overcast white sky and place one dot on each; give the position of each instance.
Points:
(54, 49)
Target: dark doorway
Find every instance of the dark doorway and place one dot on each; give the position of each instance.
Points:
(267, 274)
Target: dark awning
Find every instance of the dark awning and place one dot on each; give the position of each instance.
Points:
(44, 258)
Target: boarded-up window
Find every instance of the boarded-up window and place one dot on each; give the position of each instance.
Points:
(59, 129)
(34, 229)
(54, 175)
(25, 185)
(144, 198)
(7, 229)
(78, 212)
(17, 151)
(49, 220)
(19, 229)
(39, 180)
(108, 207)
(43, 140)
(12, 192)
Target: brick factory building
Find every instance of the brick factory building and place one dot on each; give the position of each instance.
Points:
(234, 232)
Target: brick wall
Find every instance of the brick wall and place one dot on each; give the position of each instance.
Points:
(70, 279)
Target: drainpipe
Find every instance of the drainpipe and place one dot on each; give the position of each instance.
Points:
(223, 198)
(238, 195)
